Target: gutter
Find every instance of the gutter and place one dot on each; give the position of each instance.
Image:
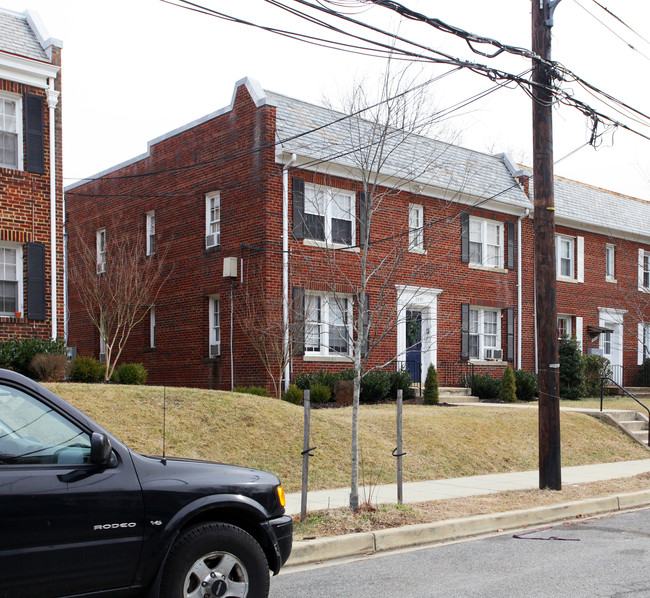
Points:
(52, 101)
(285, 266)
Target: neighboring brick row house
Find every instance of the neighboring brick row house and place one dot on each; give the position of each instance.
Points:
(31, 192)
(261, 214)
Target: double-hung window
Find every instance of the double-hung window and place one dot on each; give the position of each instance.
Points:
(609, 261)
(416, 230)
(484, 334)
(215, 326)
(10, 132)
(212, 219)
(10, 270)
(327, 324)
(565, 249)
(152, 327)
(485, 242)
(645, 339)
(151, 232)
(329, 214)
(563, 327)
(644, 270)
(100, 240)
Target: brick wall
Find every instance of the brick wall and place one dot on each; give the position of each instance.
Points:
(25, 217)
(233, 153)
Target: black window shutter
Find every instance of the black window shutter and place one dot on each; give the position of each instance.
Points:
(464, 330)
(34, 134)
(298, 308)
(363, 217)
(464, 238)
(298, 208)
(512, 251)
(366, 325)
(36, 281)
(510, 346)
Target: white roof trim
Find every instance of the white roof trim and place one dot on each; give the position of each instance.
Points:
(26, 70)
(103, 173)
(37, 26)
(252, 86)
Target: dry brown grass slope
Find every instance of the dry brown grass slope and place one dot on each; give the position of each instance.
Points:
(440, 442)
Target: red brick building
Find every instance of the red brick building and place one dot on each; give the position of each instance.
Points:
(31, 192)
(263, 210)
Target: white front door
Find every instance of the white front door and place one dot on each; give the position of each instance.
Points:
(612, 345)
(424, 303)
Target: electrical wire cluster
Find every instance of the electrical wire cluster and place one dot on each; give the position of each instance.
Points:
(349, 33)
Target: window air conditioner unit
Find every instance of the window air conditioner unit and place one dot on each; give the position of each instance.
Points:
(212, 240)
(494, 354)
(215, 350)
(102, 357)
(101, 268)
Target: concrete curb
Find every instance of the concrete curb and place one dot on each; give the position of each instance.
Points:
(323, 549)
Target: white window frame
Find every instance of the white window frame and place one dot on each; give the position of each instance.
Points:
(481, 226)
(214, 323)
(568, 326)
(18, 248)
(100, 242)
(319, 200)
(646, 340)
(643, 341)
(9, 97)
(562, 241)
(416, 227)
(151, 232)
(644, 270)
(102, 348)
(318, 311)
(212, 223)
(610, 262)
(477, 330)
(152, 327)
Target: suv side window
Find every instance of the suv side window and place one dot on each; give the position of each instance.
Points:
(32, 433)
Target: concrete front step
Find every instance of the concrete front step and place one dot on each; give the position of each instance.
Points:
(636, 425)
(633, 423)
(455, 390)
(457, 399)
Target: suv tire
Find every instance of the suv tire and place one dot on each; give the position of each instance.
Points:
(215, 559)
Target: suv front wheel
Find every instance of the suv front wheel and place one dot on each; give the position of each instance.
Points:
(215, 560)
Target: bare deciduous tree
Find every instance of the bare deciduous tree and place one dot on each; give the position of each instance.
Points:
(117, 284)
(382, 149)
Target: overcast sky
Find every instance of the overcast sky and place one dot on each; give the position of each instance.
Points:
(135, 69)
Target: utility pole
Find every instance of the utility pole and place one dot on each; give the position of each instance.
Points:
(550, 470)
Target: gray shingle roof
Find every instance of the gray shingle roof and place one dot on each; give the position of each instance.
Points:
(604, 209)
(415, 159)
(17, 37)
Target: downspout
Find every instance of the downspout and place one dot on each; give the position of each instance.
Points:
(52, 101)
(285, 266)
(519, 315)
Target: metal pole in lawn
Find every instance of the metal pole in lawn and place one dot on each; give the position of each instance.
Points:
(398, 449)
(305, 456)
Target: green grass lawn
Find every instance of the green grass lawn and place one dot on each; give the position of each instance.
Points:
(264, 433)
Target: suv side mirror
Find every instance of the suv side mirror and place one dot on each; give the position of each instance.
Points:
(100, 449)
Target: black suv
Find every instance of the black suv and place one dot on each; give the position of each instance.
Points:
(80, 513)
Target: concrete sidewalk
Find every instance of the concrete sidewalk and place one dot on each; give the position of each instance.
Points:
(470, 486)
(308, 552)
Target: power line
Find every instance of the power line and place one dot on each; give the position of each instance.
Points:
(628, 44)
(560, 72)
(284, 140)
(620, 21)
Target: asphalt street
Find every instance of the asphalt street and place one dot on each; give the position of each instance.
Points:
(599, 557)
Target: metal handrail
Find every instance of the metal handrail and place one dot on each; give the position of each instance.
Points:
(629, 394)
